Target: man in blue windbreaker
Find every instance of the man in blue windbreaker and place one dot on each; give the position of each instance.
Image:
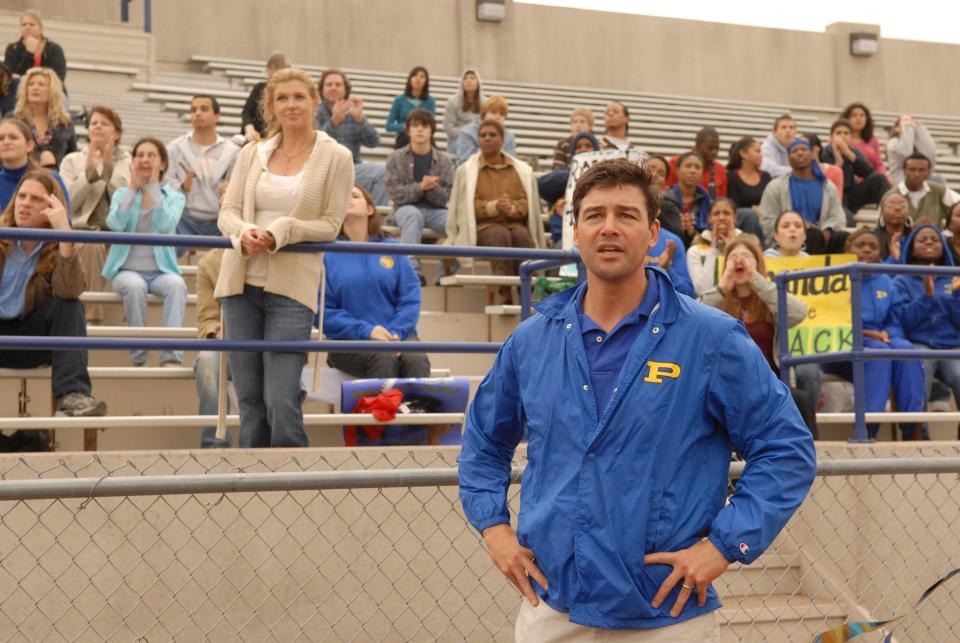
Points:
(631, 398)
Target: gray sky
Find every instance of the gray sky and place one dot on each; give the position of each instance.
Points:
(914, 20)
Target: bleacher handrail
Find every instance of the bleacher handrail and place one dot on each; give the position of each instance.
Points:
(857, 355)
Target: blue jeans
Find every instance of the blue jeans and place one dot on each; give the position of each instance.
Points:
(134, 286)
(748, 221)
(809, 380)
(206, 369)
(372, 178)
(412, 219)
(193, 226)
(268, 383)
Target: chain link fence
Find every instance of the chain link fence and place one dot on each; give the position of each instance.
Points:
(401, 563)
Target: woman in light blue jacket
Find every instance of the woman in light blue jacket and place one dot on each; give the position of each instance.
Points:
(147, 208)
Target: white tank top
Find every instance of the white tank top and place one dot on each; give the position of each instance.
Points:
(276, 197)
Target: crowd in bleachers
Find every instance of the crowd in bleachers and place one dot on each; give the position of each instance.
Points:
(295, 172)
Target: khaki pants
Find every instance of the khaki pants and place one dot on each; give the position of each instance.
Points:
(92, 258)
(543, 624)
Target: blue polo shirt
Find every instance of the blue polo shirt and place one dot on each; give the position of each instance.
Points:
(607, 352)
(17, 271)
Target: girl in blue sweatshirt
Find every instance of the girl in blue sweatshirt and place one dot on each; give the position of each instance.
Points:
(374, 297)
(881, 309)
(930, 307)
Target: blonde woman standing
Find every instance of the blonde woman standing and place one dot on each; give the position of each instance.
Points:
(292, 187)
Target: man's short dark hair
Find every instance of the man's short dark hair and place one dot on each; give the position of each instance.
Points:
(213, 101)
(917, 156)
(421, 117)
(613, 173)
(490, 122)
(781, 118)
(840, 122)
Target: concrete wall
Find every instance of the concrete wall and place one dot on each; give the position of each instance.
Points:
(538, 44)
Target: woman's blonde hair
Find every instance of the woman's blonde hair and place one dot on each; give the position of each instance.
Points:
(755, 310)
(283, 76)
(57, 113)
(48, 256)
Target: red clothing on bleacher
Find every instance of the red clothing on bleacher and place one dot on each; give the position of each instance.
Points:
(719, 177)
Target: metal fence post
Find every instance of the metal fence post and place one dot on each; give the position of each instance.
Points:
(782, 324)
(859, 386)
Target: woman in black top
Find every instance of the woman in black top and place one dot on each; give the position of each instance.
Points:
(745, 180)
(33, 49)
(252, 125)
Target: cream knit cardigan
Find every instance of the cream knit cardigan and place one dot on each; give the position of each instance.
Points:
(324, 187)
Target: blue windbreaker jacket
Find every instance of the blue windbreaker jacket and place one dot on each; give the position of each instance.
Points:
(933, 321)
(364, 291)
(880, 303)
(650, 473)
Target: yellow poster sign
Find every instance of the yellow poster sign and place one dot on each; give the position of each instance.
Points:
(827, 327)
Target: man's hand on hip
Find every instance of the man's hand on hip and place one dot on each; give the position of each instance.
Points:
(513, 561)
(695, 567)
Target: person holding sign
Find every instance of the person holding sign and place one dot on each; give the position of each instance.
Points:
(632, 399)
(745, 293)
(882, 311)
(930, 307)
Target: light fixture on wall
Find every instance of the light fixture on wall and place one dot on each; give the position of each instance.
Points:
(491, 10)
(863, 44)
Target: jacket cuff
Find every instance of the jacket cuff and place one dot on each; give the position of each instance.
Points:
(725, 551)
(491, 208)
(492, 521)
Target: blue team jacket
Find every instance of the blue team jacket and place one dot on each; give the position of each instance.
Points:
(928, 320)
(364, 291)
(880, 305)
(650, 473)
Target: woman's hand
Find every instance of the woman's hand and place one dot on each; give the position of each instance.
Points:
(254, 241)
(686, 220)
(928, 285)
(56, 214)
(879, 335)
(726, 279)
(893, 247)
(381, 334)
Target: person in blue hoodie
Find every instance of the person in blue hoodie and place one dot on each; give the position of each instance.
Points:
(882, 311)
(631, 399)
(930, 307)
(373, 297)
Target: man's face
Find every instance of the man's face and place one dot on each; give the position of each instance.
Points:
(419, 132)
(613, 116)
(709, 148)
(915, 172)
(579, 124)
(202, 115)
(841, 133)
(334, 88)
(584, 144)
(496, 115)
(490, 140)
(801, 158)
(613, 231)
(785, 131)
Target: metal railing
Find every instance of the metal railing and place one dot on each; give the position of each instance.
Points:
(373, 545)
(857, 354)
